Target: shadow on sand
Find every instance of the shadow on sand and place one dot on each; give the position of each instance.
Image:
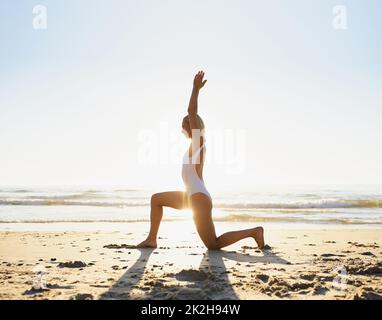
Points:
(211, 281)
(122, 288)
(213, 262)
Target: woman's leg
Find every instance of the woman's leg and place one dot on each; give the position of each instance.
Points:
(173, 199)
(201, 207)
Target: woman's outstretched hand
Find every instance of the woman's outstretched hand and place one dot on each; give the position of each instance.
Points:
(198, 80)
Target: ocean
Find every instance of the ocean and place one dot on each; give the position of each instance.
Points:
(287, 205)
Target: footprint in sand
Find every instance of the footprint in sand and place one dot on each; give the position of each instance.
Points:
(120, 246)
(72, 264)
(191, 275)
(82, 296)
(368, 253)
(263, 277)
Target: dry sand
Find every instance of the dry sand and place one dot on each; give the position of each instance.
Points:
(302, 264)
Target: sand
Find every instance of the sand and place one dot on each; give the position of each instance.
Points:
(319, 263)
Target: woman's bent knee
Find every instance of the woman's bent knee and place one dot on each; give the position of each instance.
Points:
(155, 199)
(211, 244)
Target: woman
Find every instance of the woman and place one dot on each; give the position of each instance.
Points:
(196, 196)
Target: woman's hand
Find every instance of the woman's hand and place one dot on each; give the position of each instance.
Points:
(198, 80)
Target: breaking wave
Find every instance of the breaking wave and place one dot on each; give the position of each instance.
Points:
(80, 200)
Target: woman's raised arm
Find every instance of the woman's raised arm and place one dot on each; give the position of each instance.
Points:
(199, 83)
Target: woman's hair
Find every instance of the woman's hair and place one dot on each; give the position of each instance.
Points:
(200, 120)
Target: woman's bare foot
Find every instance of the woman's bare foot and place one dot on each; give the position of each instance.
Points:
(258, 235)
(147, 244)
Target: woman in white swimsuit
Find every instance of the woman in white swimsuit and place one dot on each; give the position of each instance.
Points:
(196, 196)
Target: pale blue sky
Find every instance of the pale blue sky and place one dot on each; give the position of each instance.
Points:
(74, 97)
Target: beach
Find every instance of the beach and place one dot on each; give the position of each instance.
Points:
(303, 262)
(121, 117)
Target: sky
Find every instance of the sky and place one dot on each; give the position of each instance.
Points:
(97, 98)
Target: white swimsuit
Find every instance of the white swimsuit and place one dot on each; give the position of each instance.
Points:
(190, 177)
